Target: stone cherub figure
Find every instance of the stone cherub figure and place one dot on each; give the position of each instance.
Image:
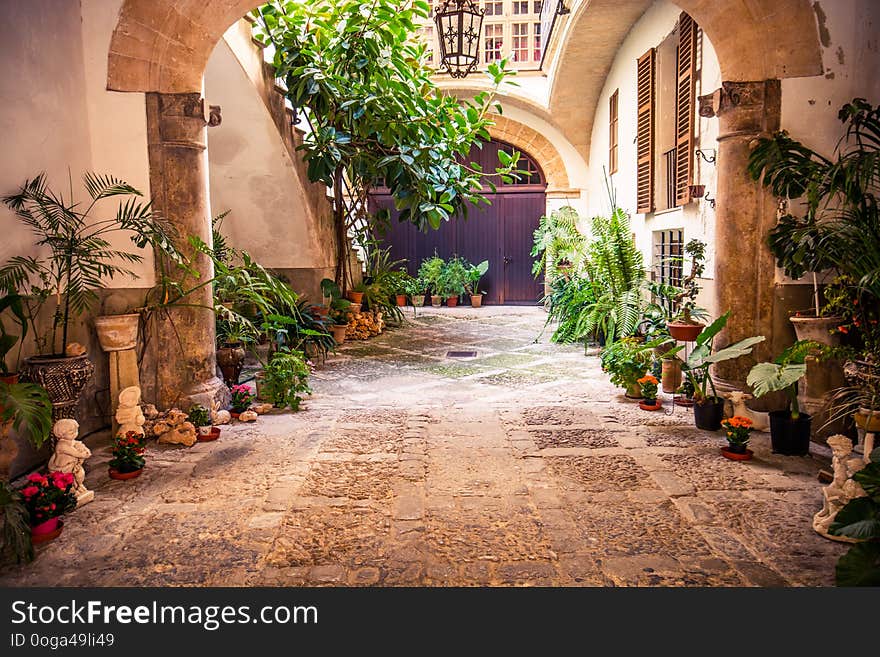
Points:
(69, 456)
(129, 415)
(842, 488)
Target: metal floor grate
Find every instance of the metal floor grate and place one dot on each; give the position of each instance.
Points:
(461, 354)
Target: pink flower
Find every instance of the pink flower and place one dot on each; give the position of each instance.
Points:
(35, 477)
(30, 491)
(52, 506)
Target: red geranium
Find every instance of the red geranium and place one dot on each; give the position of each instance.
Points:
(47, 497)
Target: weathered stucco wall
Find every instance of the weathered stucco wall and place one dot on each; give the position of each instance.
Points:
(272, 214)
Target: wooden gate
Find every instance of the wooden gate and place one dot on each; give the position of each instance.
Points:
(501, 232)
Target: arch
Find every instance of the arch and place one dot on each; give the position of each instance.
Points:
(534, 144)
(754, 40)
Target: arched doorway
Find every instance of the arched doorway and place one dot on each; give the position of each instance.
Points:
(500, 232)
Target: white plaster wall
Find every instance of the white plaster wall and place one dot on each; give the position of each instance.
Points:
(253, 176)
(43, 114)
(57, 115)
(697, 218)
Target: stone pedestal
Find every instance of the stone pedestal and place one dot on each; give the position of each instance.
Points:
(184, 341)
(745, 212)
(123, 374)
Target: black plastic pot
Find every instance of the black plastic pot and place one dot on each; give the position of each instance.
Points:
(708, 414)
(790, 437)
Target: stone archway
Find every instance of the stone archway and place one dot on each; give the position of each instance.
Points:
(537, 145)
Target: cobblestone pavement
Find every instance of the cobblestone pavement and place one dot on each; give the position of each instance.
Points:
(522, 466)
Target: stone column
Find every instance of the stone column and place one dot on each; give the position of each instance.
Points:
(183, 340)
(744, 267)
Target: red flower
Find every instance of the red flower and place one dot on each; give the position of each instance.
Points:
(30, 491)
(34, 477)
(843, 329)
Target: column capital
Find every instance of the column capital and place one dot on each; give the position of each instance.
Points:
(744, 107)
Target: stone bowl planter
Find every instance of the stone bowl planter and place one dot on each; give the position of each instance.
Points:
(117, 332)
(63, 377)
(817, 329)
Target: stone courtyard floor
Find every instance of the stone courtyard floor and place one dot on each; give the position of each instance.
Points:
(523, 466)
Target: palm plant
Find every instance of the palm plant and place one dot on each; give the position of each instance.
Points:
(557, 242)
(80, 254)
(27, 409)
(15, 522)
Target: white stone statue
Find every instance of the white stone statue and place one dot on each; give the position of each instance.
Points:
(218, 415)
(842, 488)
(69, 456)
(129, 415)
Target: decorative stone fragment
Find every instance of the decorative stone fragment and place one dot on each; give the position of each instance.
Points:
(174, 429)
(248, 416)
(69, 456)
(150, 411)
(74, 349)
(842, 488)
(260, 409)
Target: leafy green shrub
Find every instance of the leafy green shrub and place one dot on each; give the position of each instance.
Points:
(199, 416)
(627, 360)
(285, 379)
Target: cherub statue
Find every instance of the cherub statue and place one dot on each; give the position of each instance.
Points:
(129, 415)
(69, 456)
(842, 488)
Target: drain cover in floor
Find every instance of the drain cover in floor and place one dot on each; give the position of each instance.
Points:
(461, 354)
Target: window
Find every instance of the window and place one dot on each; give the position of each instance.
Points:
(538, 5)
(520, 7)
(532, 175)
(668, 257)
(428, 36)
(494, 8)
(537, 32)
(493, 42)
(520, 42)
(612, 132)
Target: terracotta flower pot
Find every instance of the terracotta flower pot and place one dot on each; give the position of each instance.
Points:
(400, 299)
(418, 300)
(117, 332)
(736, 456)
(476, 300)
(230, 359)
(355, 297)
(670, 377)
(452, 302)
(436, 301)
(46, 531)
(817, 329)
(338, 331)
(235, 414)
(122, 476)
(651, 405)
(684, 332)
(634, 391)
(213, 434)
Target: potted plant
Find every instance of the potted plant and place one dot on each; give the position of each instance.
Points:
(26, 409)
(14, 303)
(416, 290)
(452, 280)
(648, 385)
(241, 399)
(128, 456)
(472, 282)
(737, 430)
(79, 259)
(684, 394)
(789, 428)
(200, 417)
(286, 379)
(857, 520)
(708, 405)
(48, 497)
(627, 360)
(430, 272)
(232, 337)
(684, 326)
(356, 294)
(15, 537)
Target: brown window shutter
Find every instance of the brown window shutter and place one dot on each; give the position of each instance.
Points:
(613, 104)
(684, 108)
(645, 133)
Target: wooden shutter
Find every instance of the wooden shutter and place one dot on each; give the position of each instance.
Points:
(645, 133)
(684, 108)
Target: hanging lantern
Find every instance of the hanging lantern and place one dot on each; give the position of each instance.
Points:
(459, 25)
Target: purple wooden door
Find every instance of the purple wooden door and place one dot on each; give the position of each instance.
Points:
(501, 233)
